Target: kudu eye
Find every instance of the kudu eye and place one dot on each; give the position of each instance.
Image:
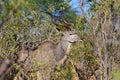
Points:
(70, 34)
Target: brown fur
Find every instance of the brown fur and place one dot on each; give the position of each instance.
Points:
(47, 55)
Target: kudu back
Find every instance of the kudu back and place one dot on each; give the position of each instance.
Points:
(48, 55)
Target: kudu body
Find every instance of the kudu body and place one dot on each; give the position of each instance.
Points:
(48, 54)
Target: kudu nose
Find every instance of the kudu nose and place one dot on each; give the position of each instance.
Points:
(81, 39)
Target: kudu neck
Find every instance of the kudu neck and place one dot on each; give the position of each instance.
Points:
(62, 49)
(64, 44)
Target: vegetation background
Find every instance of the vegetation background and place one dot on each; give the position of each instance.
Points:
(98, 22)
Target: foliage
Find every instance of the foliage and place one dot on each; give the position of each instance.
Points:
(102, 33)
(23, 21)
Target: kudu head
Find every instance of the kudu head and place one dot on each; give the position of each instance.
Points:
(70, 36)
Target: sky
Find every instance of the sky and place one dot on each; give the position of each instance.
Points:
(76, 6)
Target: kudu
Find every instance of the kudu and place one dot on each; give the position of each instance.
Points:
(48, 54)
